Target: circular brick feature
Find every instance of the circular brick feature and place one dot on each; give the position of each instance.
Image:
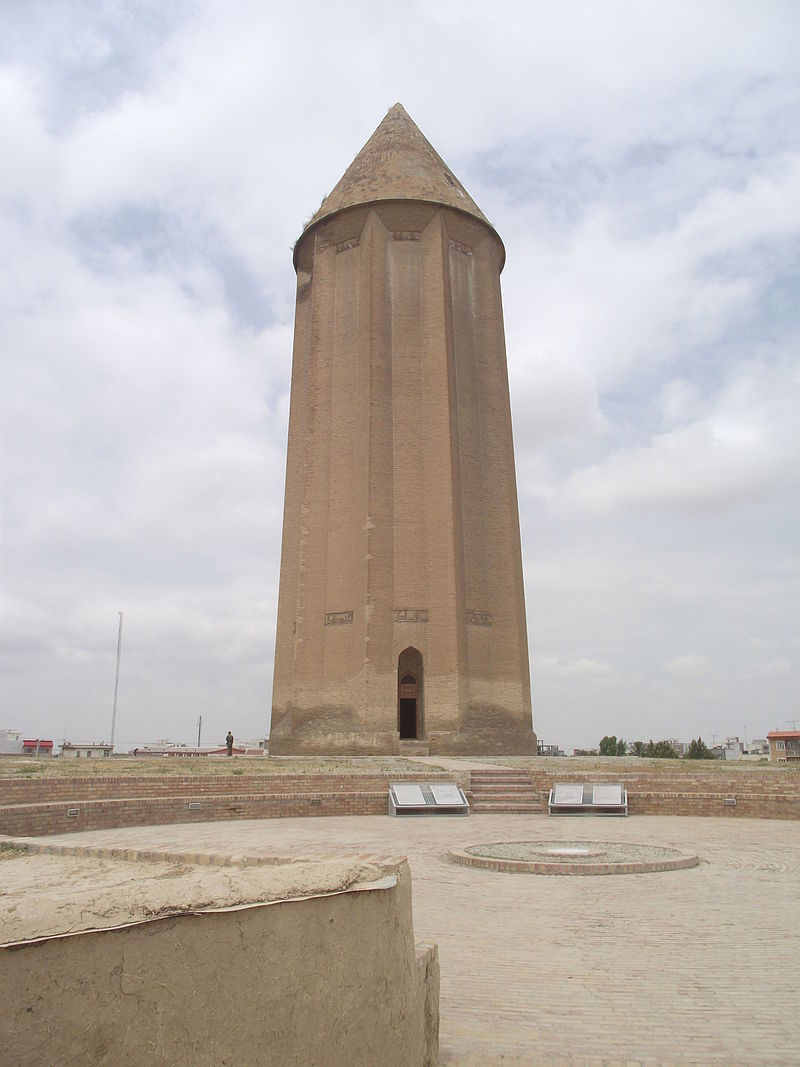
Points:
(573, 857)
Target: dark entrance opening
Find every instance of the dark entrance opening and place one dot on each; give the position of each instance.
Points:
(409, 694)
(408, 717)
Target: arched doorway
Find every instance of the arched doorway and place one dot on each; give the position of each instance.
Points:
(409, 694)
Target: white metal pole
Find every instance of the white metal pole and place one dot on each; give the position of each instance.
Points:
(116, 682)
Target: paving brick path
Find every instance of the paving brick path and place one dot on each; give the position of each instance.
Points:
(698, 966)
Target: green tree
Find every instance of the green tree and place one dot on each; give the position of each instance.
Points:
(659, 750)
(608, 745)
(698, 749)
(638, 748)
(664, 750)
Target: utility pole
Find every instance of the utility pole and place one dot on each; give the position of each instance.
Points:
(116, 682)
(199, 727)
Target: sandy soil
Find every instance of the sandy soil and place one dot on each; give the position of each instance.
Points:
(42, 895)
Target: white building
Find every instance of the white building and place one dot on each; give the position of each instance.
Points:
(70, 751)
(10, 743)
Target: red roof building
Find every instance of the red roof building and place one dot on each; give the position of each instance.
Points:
(37, 748)
(784, 746)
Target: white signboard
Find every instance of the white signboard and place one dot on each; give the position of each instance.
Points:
(447, 793)
(408, 795)
(568, 794)
(607, 794)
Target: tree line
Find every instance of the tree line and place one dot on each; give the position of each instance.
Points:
(610, 746)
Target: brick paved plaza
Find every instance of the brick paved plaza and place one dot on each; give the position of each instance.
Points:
(693, 966)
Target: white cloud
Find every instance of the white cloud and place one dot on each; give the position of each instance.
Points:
(579, 668)
(642, 165)
(746, 447)
(688, 665)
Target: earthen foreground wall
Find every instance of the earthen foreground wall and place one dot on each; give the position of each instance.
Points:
(332, 980)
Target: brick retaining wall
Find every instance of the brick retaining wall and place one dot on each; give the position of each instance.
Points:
(757, 796)
(42, 790)
(32, 808)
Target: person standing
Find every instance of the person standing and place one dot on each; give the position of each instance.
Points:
(229, 743)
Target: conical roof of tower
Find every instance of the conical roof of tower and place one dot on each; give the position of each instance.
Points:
(398, 163)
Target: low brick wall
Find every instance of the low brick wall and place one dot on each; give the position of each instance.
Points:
(31, 808)
(42, 790)
(110, 802)
(757, 796)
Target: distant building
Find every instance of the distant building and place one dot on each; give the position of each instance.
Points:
(584, 752)
(70, 751)
(168, 748)
(255, 744)
(759, 746)
(733, 748)
(548, 750)
(10, 743)
(784, 746)
(37, 748)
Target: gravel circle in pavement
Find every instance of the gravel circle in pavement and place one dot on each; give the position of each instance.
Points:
(574, 857)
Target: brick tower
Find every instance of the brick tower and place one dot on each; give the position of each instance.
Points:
(401, 612)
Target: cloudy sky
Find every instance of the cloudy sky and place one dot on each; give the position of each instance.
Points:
(642, 163)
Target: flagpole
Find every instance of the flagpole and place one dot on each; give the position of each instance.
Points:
(116, 682)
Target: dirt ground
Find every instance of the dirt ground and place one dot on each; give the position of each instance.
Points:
(185, 766)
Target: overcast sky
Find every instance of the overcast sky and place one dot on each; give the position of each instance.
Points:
(640, 160)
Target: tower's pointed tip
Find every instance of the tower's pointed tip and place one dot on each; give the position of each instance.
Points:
(398, 163)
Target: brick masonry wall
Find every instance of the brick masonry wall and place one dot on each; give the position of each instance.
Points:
(43, 790)
(33, 820)
(757, 796)
(33, 808)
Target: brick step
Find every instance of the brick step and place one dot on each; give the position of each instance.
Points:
(489, 807)
(504, 794)
(506, 790)
(492, 779)
(501, 783)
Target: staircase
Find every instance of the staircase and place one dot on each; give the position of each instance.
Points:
(503, 791)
